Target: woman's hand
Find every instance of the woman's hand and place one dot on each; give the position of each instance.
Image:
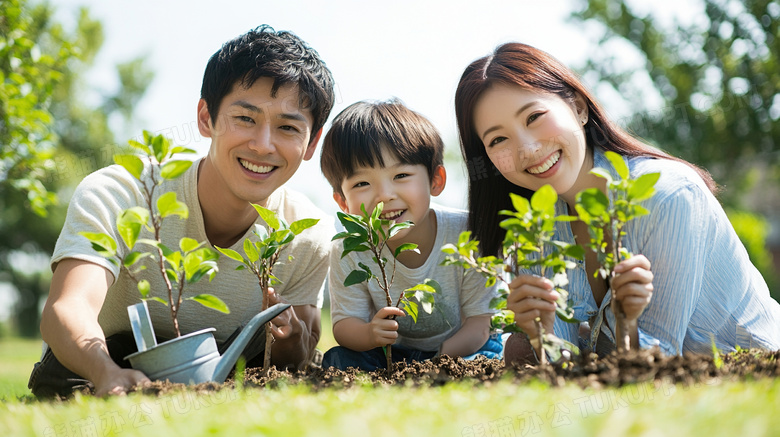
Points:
(532, 297)
(632, 285)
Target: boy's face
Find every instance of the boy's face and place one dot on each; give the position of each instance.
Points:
(258, 141)
(405, 189)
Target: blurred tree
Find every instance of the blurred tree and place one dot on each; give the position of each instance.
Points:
(707, 89)
(716, 74)
(50, 137)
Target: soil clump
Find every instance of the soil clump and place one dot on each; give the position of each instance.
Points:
(584, 371)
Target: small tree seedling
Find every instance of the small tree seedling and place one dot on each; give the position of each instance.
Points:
(191, 262)
(528, 245)
(262, 255)
(367, 232)
(605, 219)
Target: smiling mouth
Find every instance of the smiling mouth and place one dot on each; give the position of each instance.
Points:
(543, 167)
(392, 215)
(262, 169)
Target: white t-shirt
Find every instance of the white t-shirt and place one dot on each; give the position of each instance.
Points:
(463, 291)
(102, 195)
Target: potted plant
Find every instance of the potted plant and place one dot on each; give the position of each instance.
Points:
(260, 257)
(528, 245)
(610, 218)
(191, 358)
(367, 232)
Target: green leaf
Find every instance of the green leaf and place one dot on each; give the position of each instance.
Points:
(187, 244)
(642, 188)
(449, 249)
(160, 147)
(174, 169)
(353, 224)
(300, 225)
(132, 258)
(404, 247)
(129, 224)
(139, 146)
(211, 301)
(132, 163)
(251, 251)
(183, 150)
(168, 205)
(355, 277)
(398, 227)
(575, 251)
(354, 244)
(410, 308)
(544, 199)
(159, 299)
(102, 243)
(603, 173)
(619, 163)
(520, 203)
(174, 259)
(594, 201)
(199, 263)
(260, 231)
(268, 216)
(232, 254)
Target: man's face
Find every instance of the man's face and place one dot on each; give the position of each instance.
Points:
(258, 141)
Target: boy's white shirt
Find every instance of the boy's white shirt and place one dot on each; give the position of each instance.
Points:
(101, 196)
(463, 291)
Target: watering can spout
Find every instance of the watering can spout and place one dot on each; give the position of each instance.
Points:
(229, 358)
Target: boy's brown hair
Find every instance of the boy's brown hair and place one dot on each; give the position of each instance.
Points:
(358, 134)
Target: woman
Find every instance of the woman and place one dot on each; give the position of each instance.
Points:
(531, 117)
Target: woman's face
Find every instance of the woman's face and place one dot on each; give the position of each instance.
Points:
(534, 138)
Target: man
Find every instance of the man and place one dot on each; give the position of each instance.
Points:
(264, 100)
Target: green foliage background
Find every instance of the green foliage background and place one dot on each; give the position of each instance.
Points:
(49, 137)
(717, 76)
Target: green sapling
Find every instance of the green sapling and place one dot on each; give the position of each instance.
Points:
(367, 232)
(191, 262)
(528, 245)
(260, 257)
(605, 219)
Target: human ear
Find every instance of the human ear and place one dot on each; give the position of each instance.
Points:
(204, 119)
(438, 181)
(341, 201)
(312, 145)
(581, 108)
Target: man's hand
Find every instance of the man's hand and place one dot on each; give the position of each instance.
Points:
(117, 381)
(286, 324)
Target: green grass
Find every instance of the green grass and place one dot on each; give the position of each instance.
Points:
(16, 362)
(503, 408)
(499, 409)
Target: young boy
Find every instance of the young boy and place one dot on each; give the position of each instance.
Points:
(385, 152)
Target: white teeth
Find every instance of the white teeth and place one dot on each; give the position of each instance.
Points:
(256, 168)
(391, 215)
(546, 164)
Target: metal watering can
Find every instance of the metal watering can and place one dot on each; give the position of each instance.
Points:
(192, 358)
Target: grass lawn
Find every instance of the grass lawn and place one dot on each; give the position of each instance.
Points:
(500, 409)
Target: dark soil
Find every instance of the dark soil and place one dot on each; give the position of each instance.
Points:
(585, 371)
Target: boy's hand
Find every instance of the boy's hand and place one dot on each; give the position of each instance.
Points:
(632, 285)
(532, 296)
(382, 330)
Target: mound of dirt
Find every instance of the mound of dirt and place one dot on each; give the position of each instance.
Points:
(585, 371)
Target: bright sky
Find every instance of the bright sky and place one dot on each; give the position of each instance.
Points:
(413, 50)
